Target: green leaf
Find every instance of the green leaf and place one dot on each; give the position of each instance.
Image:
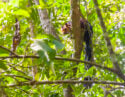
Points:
(58, 44)
(35, 95)
(21, 12)
(42, 4)
(3, 52)
(3, 65)
(43, 49)
(52, 40)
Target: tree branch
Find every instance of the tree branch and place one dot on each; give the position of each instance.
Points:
(45, 21)
(61, 82)
(113, 89)
(109, 45)
(8, 50)
(13, 67)
(66, 59)
(13, 76)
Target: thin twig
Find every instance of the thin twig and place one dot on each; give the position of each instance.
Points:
(10, 75)
(16, 69)
(118, 88)
(8, 50)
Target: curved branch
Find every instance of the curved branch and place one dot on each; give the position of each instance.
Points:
(61, 82)
(107, 39)
(66, 59)
(8, 50)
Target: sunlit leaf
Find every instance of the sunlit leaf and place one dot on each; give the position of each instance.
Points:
(51, 39)
(21, 12)
(3, 52)
(15, 3)
(43, 50)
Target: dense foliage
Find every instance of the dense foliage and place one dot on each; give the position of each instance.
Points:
(19, 70)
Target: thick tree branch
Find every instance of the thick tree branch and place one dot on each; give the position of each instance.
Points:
(61, 82)
(109, 45)
(67, 59)
(45, 21)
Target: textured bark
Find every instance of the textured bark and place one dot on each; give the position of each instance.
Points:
(109, 45)
(49, 29)
(16, 37)
(3, 93)
(76, 30)
(45, 21)
(46, 24)
(78, 40)
(68, 92)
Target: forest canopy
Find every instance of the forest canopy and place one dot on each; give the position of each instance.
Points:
(37, 59)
